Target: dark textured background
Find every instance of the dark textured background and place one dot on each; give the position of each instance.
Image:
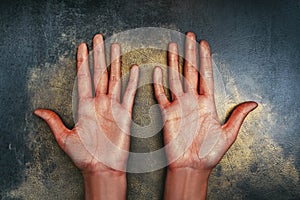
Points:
(256, 47)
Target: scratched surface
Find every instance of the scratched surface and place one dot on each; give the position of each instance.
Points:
(256, 52)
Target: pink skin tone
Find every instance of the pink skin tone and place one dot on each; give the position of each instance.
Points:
(188, 175)
(99, 135)
(99, 143)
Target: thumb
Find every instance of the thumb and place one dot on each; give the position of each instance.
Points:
(59, 130)
(235, 121)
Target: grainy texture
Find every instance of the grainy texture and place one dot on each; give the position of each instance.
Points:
(256, 48)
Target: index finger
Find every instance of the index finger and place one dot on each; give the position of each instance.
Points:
(174, 74)
(83, 73)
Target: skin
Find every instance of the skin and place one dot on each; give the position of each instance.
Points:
(99, 142)
(190, 118)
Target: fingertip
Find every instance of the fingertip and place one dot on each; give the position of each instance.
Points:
(204, 48)
(38, 112)
(82, 47)
(191, 35)
(157, 73)
(249, 106)
(81, 52)
(254, 104)
(134, 68)
(158, 69)
(204, 44)
(45, 114)
(41, 112)
(134, 71)
(172, 47)
(98, 39)
(190, 45)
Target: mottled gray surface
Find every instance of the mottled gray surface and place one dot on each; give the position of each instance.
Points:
(256, 48)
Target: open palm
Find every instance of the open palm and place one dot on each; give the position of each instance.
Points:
(100, 139)
(193, 135)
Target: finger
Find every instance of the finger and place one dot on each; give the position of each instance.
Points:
(100, 70)
(190, 64)
(174, 80)
(232, 126)
(206, 72)
(158, 88)
(115, 72)
(59, 130)
(131, 88)
(83, 73)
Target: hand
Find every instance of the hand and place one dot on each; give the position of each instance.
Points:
(194, 138)
(86, 143)
(99, 142)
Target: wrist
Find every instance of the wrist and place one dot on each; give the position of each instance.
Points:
(108, 184)
(95, 167)
(186, 183)
(189, 170)
(103, 174)
(101, 169)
